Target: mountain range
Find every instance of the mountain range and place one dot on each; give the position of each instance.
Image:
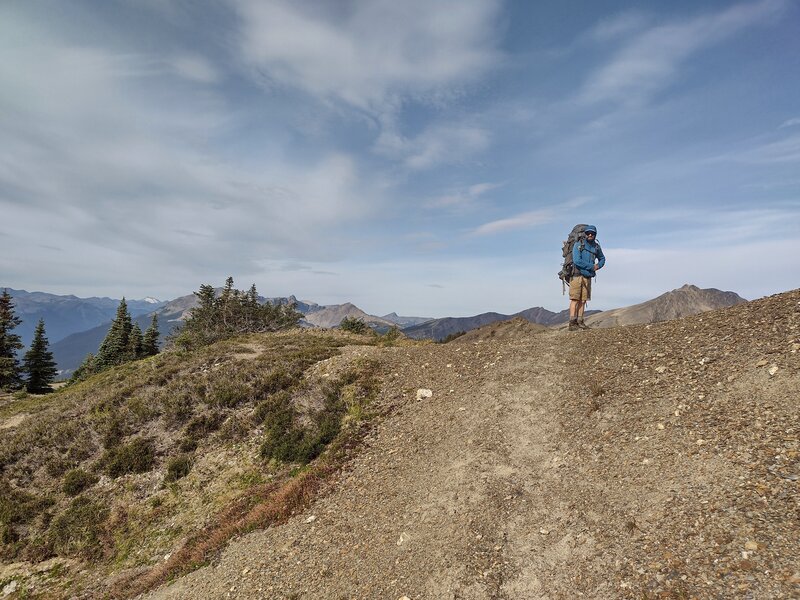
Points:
(682, 302)
(65, 315)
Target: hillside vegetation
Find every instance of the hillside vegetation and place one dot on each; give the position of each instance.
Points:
(117, 469)
(515, 461)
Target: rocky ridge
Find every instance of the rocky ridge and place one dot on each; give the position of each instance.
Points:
(650, 461)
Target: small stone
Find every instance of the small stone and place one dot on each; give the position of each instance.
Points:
(424, 393)
(762, 363)
(311, 519)
(10, 587)
(166, 556)
(661, 369)
(701, 442)
(646, 461)
(773, 369)
(544, 531)
(660, 426)
(245, 571)
(404, 598)
(750, 545)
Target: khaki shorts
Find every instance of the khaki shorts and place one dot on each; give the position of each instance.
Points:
(580, 288)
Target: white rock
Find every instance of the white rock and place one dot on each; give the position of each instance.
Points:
(311, 519)
(773, 369)
(660, 369)
(424, 393)
(10, 587)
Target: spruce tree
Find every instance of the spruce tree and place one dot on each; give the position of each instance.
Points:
(38, 363)
(135, 343)
(150, 341)
(86, 369)
(114, 348)
(9, 344)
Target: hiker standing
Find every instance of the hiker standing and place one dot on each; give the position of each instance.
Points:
(587, 258)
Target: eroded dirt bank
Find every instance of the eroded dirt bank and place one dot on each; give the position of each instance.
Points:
(638, 462)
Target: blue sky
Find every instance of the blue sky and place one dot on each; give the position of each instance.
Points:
(420, 157)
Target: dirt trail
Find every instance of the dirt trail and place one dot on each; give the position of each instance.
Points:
(463, 495)
(512, 481)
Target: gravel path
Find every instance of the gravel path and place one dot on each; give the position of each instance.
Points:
(519, 479)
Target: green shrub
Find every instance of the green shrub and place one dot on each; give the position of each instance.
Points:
(178, 467)
(354, 325)
(452, 336)
(77, 480)
(234, 428)
(137, 456)
(203, 424)
(187, 444)
(18, 507)
(276, 380)
(228, 393)
(113, 428)
(282, 437)
(177, 403)
(77, 531)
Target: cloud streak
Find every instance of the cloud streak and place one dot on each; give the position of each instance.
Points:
(652, 60)
(368, 54)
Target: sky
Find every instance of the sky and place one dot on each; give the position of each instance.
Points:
(423, 157)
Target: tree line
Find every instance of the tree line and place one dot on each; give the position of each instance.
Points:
(37, 363)
(123, 343)
(217, 316)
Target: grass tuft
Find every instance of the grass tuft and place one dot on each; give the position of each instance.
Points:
(77, 480)
(137, 456)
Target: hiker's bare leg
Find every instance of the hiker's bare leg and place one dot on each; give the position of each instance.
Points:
(573, 309)
(580, 308)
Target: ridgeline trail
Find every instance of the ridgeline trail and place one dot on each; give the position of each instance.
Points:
(638, 462)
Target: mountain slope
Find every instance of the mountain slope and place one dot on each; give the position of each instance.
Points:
(331, 316)
(682, 302)
(652, 461)
(439, 329)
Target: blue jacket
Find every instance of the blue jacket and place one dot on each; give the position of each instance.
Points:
(584, 254)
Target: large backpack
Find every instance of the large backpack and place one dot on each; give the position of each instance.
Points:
(568, 269)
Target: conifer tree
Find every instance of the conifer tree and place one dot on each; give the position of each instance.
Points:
(150, 341)
(114, 348)
(38, 363)
(135, 343)
(9, 344)
(86, 369)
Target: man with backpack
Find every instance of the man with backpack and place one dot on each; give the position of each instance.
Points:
(587, 258)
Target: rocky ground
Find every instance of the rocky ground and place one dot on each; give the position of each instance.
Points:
(656, 461)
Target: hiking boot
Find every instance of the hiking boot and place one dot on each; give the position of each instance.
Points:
(573, 325)
(582, 325)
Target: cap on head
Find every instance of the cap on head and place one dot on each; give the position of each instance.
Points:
(591, 228)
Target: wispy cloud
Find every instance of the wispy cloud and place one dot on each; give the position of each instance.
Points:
(439, 144)
(520, 221)
(194, 68)
(782, 151)
(652, 59)
(367, 54)
(618, 26)
(530, 218)
(462, 198)
(790, 123)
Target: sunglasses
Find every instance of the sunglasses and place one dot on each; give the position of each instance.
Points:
(590, 233)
